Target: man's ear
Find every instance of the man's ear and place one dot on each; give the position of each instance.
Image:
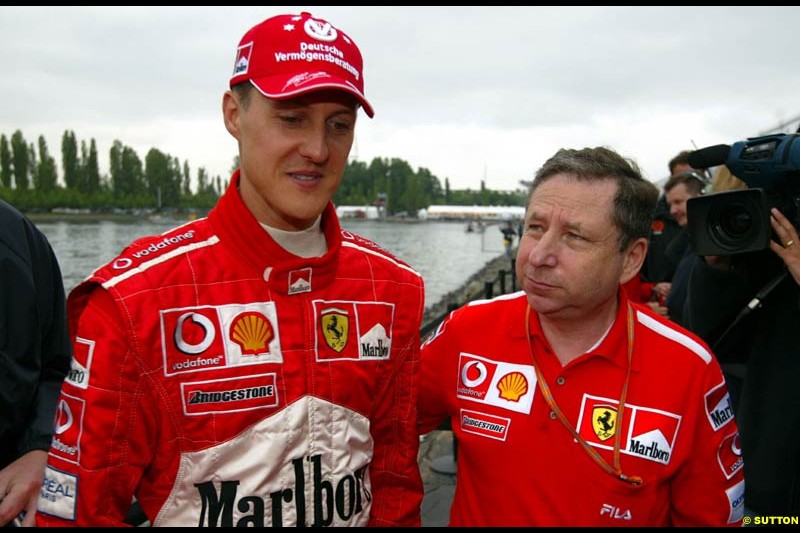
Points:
(634, 257)
(231, 113)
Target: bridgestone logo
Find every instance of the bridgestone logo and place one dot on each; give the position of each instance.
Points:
(199, 397)
(481, 424)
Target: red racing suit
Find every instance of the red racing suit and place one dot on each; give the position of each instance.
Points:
(518, 465)
(223, 381)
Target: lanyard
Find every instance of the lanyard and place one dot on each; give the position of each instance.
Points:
(615, 470)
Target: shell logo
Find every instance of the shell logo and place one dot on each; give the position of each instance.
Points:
(252, 332)
(513, 386)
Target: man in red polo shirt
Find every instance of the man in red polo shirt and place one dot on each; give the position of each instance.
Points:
(573, 405)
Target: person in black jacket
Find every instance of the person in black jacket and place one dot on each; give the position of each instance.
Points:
(768, 412)
(658, 266)
(35, 354)
(678, 255)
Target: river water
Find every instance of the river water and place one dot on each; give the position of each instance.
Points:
(443, 252)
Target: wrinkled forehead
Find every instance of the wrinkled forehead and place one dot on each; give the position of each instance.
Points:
(572, 200)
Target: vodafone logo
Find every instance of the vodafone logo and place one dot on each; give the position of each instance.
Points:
(506, 385)
(477, 370)
(200, 338)
(64, 417)
(68, 428)
(203, 323)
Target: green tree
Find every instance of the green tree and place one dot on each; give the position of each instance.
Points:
(162, 177)
(202, 181)
(431, 187)
(127, 177)
(91, 170)
(46, 174)
(356, 188)
(33, 166)
(5, 162)
(20, 158)
(187, 182)
(69, 160)
(399, 176)
(411, 199)
(484, 193)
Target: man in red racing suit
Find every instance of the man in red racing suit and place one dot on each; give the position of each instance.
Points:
(257, 367)
(226, 383)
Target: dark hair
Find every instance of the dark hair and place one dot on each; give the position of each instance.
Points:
(635, 200)
(242, 92)
(694, 181)
(681, 159)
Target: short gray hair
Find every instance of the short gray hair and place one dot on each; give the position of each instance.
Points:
(635, 201)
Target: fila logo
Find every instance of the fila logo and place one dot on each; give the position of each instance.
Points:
(615, 512)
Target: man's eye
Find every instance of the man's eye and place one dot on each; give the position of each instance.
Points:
(290, 119)
(341, 126)
(535, 229)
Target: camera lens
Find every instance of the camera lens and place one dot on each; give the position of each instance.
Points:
(732, 225)
(735, 221)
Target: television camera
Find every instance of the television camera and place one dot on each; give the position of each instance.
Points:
(736, 222)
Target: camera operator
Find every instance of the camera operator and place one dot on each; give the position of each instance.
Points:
(678, 255)
(768, 343)
(663, 230)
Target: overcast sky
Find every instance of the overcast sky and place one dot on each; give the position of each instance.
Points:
(469, 93)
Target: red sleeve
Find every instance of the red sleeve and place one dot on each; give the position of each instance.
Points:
(710, 489)
(102, 434)
(396, 483)
(433, 408)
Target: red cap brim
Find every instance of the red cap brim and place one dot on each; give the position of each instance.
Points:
(286, 86)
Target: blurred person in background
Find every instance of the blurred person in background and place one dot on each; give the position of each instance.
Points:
(679, 255)
(663, 229)
(760, 353)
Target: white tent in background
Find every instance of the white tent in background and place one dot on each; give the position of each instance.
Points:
(486, 213)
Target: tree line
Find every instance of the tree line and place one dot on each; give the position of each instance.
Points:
(29, 180)
(29, 177)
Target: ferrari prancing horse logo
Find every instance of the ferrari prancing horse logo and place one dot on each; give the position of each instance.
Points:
(604, 421)
(335, 325)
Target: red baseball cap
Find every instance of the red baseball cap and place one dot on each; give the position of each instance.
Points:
(289, 55)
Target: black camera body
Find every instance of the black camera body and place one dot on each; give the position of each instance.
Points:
(736, 222)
